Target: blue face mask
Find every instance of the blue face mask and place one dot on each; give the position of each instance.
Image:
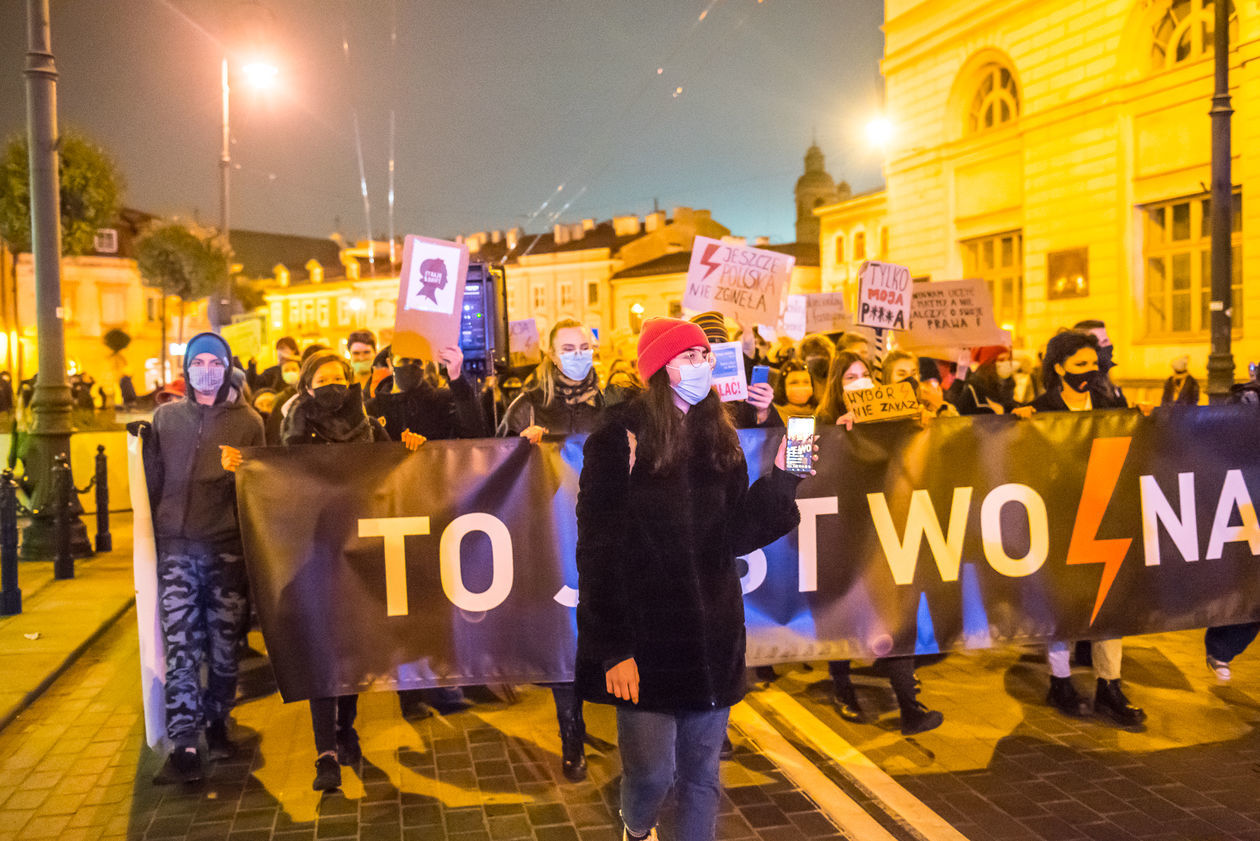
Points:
(695, 383)
(577, 365)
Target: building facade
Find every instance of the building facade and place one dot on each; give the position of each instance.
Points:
(1062, 152)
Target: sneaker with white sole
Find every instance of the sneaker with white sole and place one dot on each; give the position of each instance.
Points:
(1220, 668)
(626, 836)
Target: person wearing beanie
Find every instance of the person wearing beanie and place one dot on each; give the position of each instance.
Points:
(664, 509)
(188, 452)
(758, 409)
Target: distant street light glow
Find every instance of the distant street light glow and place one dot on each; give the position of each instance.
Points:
(260, 74)
(880, 131)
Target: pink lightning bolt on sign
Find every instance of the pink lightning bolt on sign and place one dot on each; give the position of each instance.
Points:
(747, 284)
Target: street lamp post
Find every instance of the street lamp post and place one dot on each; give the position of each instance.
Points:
(223, 310)
(50, 404)
(1221, 359)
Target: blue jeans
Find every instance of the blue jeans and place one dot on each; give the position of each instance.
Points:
(660, 750)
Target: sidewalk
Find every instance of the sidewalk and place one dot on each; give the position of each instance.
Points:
(60, 619)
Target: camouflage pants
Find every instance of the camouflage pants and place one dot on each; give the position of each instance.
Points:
(203, 608)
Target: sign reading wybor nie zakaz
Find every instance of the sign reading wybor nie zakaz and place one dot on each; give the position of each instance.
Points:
(735, 280)
(370, 566)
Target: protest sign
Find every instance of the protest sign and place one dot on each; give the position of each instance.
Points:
(245, 339)
(744, 283)
(825, 312)
(795, 318)
(883, 295)
(881, 403)
(430, 295)
(523, 347)
(728, 373)
(952, 314)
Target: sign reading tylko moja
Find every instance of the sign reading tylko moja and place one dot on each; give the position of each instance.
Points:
(375, 567)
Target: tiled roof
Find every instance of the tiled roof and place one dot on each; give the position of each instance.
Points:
(258, 253)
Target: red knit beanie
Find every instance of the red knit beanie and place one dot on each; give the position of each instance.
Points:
(664, 338)
(988, 353)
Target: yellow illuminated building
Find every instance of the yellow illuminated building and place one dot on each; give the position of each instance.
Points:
(1062, 152)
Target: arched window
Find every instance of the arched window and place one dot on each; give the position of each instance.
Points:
(839, 249)
(1185, 32)
(996, 100)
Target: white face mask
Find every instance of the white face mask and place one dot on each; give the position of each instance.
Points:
(695, 382)
(860, 384)
(577, 365)
(1004, 369)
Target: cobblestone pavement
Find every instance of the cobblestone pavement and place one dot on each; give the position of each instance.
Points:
(1006, 766)
(73, 767)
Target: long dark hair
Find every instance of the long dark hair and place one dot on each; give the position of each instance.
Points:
(833, 406)
(1061, 347)
(667, 437)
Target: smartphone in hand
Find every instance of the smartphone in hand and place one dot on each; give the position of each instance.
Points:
(760, 374)
(799, 457)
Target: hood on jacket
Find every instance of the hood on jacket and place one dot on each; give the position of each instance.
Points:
(209, 343)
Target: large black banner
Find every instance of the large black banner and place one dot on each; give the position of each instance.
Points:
(375, 567)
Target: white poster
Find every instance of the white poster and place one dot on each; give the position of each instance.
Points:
(744, 283)
(728, 373)
(883, 295)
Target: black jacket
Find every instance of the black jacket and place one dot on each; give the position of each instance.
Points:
(557, 417)
(310, 423)
(657, 573)
(1101, 398)
(1189, 395)
(193, 497)
(436, 413)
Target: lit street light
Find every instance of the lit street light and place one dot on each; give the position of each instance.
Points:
(880, 131)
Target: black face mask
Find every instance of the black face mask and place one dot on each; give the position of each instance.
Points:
(331, 396)
(407, 377)
(1081, 383)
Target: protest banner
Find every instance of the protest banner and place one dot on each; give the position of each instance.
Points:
(728, 373)
(523, 346)
(794, 320)
(148, 614)
(949, 315)
(882, 403)
(883, 296)
(826, 312)
(372, 567)
(746, 284)
(245, 338)
(430, 297)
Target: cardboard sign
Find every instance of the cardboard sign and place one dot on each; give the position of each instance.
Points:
(728, 373)
(523, 343)
(883, 402)
(430, 294)
(744, 283)
(952, 314)
(884, 295)
(245, 338)
(795, 318)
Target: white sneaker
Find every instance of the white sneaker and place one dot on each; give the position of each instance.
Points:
(651, 836)
(1220, 668)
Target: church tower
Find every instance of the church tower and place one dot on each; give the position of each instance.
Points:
(813, 189)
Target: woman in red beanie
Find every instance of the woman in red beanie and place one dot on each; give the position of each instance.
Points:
(664, 509)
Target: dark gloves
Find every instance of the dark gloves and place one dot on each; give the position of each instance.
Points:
(141, 429)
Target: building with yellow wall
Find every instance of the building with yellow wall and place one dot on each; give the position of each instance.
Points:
(1061, 150)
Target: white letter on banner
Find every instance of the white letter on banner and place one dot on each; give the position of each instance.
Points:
(1234, 492)
(756, 576)
(1156, 510)
(567, 596)
(452, 564)
(807, 538)
(921, 522)
(394, 529)
(991, 530)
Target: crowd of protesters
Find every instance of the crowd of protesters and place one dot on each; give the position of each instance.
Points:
(664, 494)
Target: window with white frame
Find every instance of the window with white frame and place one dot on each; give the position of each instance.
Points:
(1177, 247)
(999, 259)
(1185, 32)
(996, 100)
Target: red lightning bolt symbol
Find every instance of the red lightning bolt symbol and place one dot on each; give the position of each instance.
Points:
(706, 259)
(1105, 462)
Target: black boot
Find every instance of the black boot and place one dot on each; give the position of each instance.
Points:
(1110, 701)
(917, 718)
(846, 702)
(217, 742)
(573, 750)
(182, 766)
(1064, 698)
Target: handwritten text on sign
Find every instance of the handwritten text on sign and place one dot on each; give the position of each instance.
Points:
(884, 402)
(883, 295)
(951, 314)
(743, 283)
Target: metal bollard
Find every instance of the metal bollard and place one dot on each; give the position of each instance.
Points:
(10, 593)
(63, 486)
(104, 540)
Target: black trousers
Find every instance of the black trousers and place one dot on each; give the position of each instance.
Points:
(331, 716)
(1225, 642)
(900, 672)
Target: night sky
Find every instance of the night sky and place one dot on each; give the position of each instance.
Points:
(497, 103)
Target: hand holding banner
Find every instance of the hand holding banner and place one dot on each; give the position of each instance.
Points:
(735, 280)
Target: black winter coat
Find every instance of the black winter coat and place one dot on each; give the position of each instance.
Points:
(310, 423)
(436, 413)
(657, 572)
(557, 417)
(1101, 398)
(193, 497)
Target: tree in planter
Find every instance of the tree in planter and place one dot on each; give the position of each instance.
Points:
(91, 192)
(182, 263)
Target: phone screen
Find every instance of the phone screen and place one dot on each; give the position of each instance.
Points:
(760, 374)
(800, 445)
